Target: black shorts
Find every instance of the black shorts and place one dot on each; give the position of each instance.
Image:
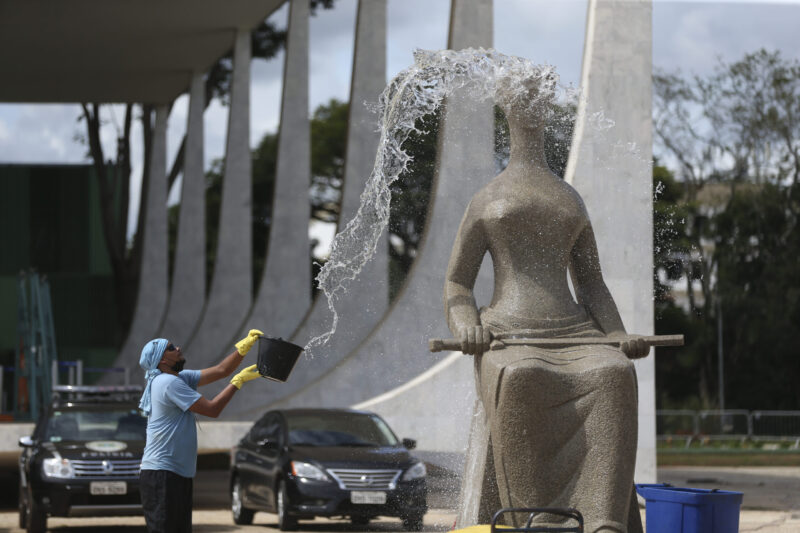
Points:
(167, 501)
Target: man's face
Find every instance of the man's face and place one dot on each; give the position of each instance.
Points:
(173, 357)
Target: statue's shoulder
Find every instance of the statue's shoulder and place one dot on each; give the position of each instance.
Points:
(567, 187)
(572, 193)
(482, 198)
(491, 201)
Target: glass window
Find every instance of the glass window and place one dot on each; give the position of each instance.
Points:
(126, 425)
(339, 429)
(268, 428)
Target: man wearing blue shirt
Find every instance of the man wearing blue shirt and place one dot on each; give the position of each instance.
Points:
(170, 401)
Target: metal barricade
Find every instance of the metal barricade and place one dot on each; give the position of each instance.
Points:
(775, 425)
(729, 424)
(672, 424)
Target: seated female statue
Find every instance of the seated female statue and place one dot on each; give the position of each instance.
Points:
(562, 421)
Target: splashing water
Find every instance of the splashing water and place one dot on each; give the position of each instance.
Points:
(413, 93)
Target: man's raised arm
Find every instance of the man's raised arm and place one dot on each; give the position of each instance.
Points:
(212, 408)
(226, 367)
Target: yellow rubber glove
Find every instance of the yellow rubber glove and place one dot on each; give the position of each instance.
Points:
(248, 374)
(244, 345)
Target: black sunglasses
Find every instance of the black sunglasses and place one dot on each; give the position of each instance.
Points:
(171, 347)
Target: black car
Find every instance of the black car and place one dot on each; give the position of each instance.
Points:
(302, 463)
(84, 456)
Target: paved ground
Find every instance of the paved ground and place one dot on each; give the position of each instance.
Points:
(771, 505)
(219, 521)
(764, 488)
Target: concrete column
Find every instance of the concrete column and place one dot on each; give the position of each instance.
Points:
(611, 168)
(479, 466)
(366, 302)
(284, 295)
(151, 298)
(188, 290)
(232, 285)
(366, 84)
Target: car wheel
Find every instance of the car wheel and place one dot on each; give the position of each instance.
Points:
(23, 510)
(36, 516)
(360, 520)
(285, 522)
(412, 522)
(241, 515)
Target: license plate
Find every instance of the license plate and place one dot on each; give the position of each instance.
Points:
(108, 487)
(368, 496)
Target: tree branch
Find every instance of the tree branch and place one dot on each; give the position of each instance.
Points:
(115, 249)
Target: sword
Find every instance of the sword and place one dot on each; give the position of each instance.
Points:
(454, 345)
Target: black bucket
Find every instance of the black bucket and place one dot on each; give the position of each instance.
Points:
(276, 358)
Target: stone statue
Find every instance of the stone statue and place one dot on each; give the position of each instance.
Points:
(562, 420)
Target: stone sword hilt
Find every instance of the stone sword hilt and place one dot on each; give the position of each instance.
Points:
(454, 345)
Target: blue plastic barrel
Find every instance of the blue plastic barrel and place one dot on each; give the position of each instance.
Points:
(683, 510)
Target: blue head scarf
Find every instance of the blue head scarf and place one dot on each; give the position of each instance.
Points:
(152, 353)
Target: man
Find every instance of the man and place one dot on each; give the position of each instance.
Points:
(170, 401)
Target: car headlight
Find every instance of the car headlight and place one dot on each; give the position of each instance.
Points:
(308, 471)
(57, 467)
(415, 472)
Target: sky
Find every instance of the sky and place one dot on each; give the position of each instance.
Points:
(688, 36)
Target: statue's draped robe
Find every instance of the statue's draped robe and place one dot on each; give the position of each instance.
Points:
(573, 444)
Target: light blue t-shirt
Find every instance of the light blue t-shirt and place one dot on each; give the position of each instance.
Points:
(171, 429)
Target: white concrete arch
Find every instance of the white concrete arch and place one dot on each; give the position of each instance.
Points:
(151, 297)
(231, 289)
(367, 301)
(612, 170)
(188, 289)
(284, 294)
(396, 350)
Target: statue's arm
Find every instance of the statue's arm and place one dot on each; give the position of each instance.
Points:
(590, 288)
(592, 293)
(459, 301)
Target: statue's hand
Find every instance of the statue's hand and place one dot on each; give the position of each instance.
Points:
(475, 340)
(633, 346)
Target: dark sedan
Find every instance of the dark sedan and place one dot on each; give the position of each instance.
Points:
(302, 463)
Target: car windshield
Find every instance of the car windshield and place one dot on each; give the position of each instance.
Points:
(339, 429)
(76, 425)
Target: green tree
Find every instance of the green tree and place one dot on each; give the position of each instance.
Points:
(732, 137)
(265, 157)
(328, 136)
(328, 146)
(677, 369)
(410, 195)
(757, 244)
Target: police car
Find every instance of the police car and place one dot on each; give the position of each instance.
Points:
(83, 457)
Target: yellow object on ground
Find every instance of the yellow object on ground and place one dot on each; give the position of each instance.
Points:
(480, 528)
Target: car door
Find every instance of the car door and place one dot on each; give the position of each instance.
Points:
(246, 460)
(267, 443)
